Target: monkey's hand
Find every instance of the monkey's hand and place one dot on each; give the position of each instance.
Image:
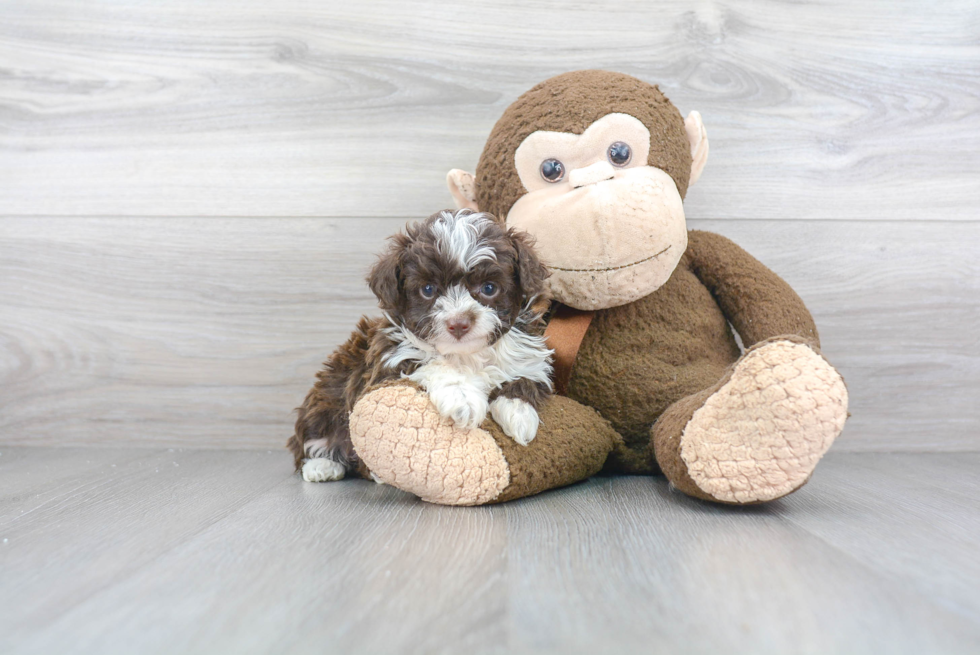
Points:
(400, 436)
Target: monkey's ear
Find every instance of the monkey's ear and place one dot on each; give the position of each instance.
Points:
(698, 138)
(385, 278)
(463, 187)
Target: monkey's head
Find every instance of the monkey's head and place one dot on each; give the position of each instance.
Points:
(595, 166)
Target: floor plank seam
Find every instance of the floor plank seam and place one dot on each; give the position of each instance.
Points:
(879, 574)
(122, 576)
(13, 520)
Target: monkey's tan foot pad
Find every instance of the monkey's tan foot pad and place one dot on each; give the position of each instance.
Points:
(406, 443)
(762, 433)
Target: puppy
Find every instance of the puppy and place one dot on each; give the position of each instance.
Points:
(463, 299)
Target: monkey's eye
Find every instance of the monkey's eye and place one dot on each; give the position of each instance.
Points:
(552, 170)
(620, 154)
(489, 289)
(428, 291)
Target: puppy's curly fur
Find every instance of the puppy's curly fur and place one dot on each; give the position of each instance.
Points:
(463, 298)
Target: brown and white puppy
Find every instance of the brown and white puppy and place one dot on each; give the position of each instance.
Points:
(463, 298)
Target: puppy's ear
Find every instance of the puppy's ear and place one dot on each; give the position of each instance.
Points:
(531, 273)
(385, 277)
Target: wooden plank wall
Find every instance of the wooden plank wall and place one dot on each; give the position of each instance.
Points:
(191, 194)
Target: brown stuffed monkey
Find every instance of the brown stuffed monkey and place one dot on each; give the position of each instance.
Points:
(595, 166)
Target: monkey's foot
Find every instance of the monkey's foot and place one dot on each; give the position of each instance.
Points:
(401, 437)
(759, 435)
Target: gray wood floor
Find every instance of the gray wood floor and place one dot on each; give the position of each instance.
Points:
(196, 551)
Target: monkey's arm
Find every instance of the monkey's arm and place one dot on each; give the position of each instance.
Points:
(758, 303)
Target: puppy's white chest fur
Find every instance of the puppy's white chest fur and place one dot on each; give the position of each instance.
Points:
(458, 392)
(459, 385)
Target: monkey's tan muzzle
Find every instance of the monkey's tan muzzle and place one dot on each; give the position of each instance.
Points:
(609, 241)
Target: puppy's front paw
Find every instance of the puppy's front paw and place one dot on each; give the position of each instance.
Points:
(466, 406)
(321, 469)
(516, 418)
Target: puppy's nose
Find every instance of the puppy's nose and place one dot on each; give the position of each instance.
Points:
(458, 327)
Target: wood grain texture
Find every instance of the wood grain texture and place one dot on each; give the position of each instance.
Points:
(74, 530)
(631, 562)
(307, 568)
(208, 332)
(193, 560)
(835, 109)
(173, 332)
(912, 537)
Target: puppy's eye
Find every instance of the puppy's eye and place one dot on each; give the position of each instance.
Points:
(552, 170)
(620, 154)
(489, 289)
(428, 291)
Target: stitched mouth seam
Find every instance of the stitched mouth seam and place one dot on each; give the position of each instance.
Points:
(612, 268)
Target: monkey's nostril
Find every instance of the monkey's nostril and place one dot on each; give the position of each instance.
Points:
(458, 327)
